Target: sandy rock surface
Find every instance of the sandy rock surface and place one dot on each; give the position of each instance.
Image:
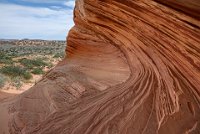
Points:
(132, 67)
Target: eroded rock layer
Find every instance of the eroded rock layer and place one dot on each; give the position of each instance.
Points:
(132, 66)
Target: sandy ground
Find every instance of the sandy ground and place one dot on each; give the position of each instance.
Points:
(9, 90)
(7, 94)
(4, 95)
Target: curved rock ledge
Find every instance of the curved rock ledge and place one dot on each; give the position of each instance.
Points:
(132, 66)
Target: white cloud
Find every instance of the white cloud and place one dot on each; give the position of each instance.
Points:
(69, 3)
(34, 22)
(46, 1)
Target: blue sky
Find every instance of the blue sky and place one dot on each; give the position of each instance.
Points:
(36, 19)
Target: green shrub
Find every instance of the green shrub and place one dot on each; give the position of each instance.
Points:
(5, 59)
(33, 63)
(2, 80)
(15, 71)
(17, 82)
(37, 71)
(12, 71)
(59, 55)
(27, 75)
(50, 65)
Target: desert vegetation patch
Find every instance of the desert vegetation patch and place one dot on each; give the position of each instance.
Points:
(24, 62)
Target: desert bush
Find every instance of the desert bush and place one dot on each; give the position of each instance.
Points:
(29, 63)
(27, 75)
(37, 71)
(59, 55)
(2, 80)
(15, 71)
(50, 65)
(17, 82)
(5, 59)
(12, 71)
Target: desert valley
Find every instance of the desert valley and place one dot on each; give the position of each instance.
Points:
(24, 62)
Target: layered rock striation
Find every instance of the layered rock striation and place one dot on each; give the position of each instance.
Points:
(132, 66)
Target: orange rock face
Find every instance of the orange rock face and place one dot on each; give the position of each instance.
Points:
(132, 67)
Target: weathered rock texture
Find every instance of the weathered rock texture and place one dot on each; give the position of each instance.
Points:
(132, 67)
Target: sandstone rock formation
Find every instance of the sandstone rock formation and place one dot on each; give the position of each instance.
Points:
(132, 67)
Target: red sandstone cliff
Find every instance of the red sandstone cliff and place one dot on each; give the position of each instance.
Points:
(132, 67)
